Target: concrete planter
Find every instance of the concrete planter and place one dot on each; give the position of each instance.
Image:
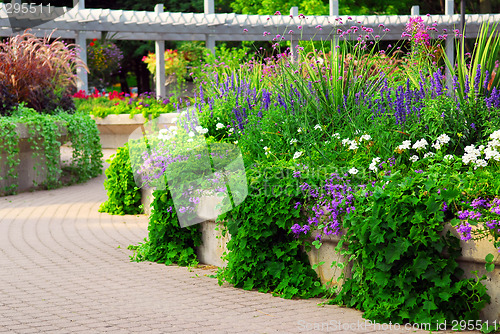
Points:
(115, 129)
(27, 176)
(214, 245)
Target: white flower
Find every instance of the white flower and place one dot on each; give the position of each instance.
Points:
(495, 135)
(353, 145)
(422, 143)
(471, 154)
(327, 142)
(190, 140)
(191, 134)
(174, 119)
(267, 150)
(219, 126)
(481, 163)
(163, 131)
(203, 131)
(413, 158)
(437, 145)
(373, 165)
(336, 135)
(231, 129)
(236, 142)
(365, 137)
(353, 171)
(198, 128)
(317, 127)
(262, 140)
(491, 153)
(345, 141)
(293, 141)
(406, 145)
(297, 154)
(448, 157)
(443, 139)
(172, 128)
(299, 130)
(429, 154)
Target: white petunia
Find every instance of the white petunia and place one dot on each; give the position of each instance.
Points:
(353, 171)
(373, 166)
(495, 135)
(443, 139)
(437, 145)
(429, 154)
(413, 158)
(219, 126)
(297, 154)
(422, 143)
(365, 137)
(353, 145)
(481, 163)
(406, 145)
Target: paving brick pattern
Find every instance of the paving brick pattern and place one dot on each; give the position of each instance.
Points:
(65, 268)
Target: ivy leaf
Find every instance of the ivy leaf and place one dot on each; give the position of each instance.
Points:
(248, 285)
(489, 258)
(381, 278)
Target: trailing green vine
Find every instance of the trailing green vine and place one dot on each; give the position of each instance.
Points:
(263, 252)
(87, 153)
(44, 135)
(167, 242)
(43, 138)
(9, 146)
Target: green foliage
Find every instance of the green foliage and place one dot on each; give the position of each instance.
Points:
(263, 253)
(167, 242)
(44, 137)
(404, 265)
(10, 149)
(487, 44)
(123, 195)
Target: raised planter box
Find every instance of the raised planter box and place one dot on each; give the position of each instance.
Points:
(115, 129)
(27, 176)
(214, 245)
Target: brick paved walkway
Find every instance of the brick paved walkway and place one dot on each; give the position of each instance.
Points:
(64, 268)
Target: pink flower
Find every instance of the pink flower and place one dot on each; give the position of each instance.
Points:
(277, 13)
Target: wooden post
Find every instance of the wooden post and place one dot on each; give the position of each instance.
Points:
(450, 45)
(334, 7)
(294, 11)
(81, 40)
(160, 62)
(209, 39)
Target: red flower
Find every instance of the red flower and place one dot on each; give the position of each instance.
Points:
(94, 40)
(92, 44)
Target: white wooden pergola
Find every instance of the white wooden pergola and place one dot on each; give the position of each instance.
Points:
(81, 24)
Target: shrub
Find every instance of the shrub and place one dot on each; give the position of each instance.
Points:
(123, 195)
(38, 71)
(104, 60)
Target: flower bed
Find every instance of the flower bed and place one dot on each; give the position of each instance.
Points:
(371, 149)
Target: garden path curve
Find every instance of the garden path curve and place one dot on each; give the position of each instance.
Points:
(64, 268)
